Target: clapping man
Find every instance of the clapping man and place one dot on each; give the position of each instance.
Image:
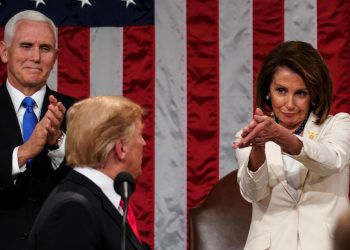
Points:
(32, 125)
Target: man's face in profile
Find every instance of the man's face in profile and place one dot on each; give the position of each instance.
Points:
(134, 149)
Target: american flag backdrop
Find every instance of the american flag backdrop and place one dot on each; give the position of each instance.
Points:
(192, 65)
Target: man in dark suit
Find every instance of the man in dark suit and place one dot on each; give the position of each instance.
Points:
(31, 162)
(104, 138)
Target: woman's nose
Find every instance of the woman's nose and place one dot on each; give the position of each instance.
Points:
(289, 101)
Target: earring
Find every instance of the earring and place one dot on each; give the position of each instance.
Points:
(267, 97)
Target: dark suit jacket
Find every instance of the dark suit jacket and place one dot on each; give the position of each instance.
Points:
(78, 216)
(20, 202)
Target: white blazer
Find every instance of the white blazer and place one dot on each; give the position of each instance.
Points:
(279, 218)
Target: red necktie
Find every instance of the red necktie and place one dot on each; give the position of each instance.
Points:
(130, 217)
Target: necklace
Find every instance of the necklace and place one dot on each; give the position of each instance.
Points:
(302, 126)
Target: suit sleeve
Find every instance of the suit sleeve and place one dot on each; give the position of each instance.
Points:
(329, 153)
(6, 180)
(253, 185)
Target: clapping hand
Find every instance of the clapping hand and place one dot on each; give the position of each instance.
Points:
(54, 115)
(260, 129)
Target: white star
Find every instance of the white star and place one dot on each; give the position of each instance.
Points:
(83, 2)
(129, 2)
(37, 2)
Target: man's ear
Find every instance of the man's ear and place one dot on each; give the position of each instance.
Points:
(3, 52)
(120, 149)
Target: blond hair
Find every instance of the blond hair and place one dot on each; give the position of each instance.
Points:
(94, 125)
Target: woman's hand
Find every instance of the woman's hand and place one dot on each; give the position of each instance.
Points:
(260, 130)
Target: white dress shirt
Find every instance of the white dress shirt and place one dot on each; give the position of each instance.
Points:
(17, 97)
(104, 182)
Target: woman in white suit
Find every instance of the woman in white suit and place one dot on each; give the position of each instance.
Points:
(293, 156)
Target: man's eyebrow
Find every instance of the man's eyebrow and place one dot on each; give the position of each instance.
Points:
(25, 42)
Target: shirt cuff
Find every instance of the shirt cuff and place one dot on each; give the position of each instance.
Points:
(15, 167)
(57, 155)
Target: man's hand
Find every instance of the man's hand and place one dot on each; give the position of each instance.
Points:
(47, 131)
(54, 115)
(35, 143)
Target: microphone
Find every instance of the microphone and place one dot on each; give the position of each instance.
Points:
(124, 185)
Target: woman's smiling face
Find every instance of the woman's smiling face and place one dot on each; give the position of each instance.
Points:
(290, 98)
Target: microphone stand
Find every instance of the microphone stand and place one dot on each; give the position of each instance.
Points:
(124, 185)
(125, 211)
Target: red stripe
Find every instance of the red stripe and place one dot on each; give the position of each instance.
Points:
(202, 98)
(74, 62)
(268, 31)
(138, 79)
(2, 65)
(334, 44)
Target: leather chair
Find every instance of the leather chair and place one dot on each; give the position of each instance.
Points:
(222, 221)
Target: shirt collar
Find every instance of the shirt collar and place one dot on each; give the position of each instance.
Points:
(17, 96)
(104, 182)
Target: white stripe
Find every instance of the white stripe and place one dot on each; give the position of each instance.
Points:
(52, 80)
(300, 20)
(106, 56)
(171, 120)
(236, 84)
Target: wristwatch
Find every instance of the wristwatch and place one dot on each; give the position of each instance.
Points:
(58, 144)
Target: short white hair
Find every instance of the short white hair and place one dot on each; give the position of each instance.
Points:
(30, 15)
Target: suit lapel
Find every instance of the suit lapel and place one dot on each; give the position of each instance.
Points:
(311, 132)
(45, 102)
(275, 161)
(9, 124)
(117, 218)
